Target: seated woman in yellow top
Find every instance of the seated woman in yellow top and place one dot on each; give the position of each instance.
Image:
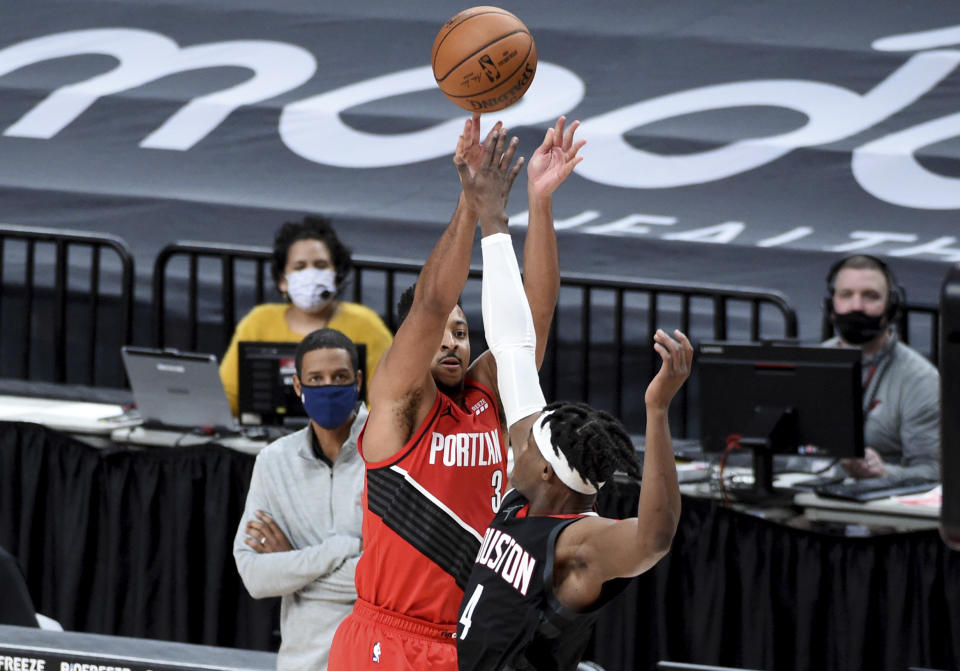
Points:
(309, 266)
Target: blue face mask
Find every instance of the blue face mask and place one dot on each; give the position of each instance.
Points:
(329, 405)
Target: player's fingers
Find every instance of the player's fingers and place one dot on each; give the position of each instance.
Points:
(676, 353)
(547, 140)
(463, 170)
(490, 145)
(678, 362)
(662, 351)
(663, 337)
(568, 137)
(685, 343)
(569, 166)
(461, 148)
(681, 337)
(493, 131)
(558, 130)
(514, 172)
(254, 544)
(575, 149)
(507, 157)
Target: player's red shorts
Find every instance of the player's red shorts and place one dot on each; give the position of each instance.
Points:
(374, 639)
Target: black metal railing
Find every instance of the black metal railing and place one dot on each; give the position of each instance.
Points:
(219, 290)
(66, 305)
(601, 345)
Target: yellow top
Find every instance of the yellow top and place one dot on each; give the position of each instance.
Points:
(267, 323)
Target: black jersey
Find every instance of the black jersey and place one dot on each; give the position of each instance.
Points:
(509, 617)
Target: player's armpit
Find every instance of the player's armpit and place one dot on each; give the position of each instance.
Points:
(394, 420)
(604, 549)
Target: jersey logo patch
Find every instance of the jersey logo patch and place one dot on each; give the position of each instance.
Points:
(480, 406)
(376, 652)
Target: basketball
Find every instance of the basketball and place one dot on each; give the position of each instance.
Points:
(484, 59)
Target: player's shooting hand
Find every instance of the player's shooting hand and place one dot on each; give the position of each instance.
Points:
(264, 535)
(469, 148)
(487, 182)
(677, 356)
(554, 159)
(871, 466)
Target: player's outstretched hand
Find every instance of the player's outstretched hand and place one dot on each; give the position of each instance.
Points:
(469, 148)
(677, 356)
(554, 159)
(487, 180)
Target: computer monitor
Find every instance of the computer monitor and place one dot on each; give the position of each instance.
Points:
(265, 395)
(776, 398)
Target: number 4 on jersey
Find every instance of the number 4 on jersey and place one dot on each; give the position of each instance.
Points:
(467, 618)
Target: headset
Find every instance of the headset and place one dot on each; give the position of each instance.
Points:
(896, 295)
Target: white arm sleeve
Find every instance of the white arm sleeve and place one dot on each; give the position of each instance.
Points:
(508, 328)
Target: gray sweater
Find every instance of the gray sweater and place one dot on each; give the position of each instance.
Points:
(319, 510)
(902, 410)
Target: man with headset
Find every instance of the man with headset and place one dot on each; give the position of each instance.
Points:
(901, 388)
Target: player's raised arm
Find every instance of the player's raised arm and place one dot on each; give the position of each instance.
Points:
(548, 168)
(509, 328)
(608, 549)
(550, 165)
(403, 390)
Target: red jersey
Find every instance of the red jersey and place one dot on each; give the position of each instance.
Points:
(427, 507)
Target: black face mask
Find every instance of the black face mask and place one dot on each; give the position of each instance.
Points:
(857, 327)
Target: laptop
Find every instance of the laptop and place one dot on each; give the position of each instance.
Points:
(177, 390)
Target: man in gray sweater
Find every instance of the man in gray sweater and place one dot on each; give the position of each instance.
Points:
(300, 535)
(901, 389)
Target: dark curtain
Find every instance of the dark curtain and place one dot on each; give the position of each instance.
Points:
(138, 542)
(741, 591)
(133, 542)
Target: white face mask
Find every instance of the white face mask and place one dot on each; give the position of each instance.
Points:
(312, 289)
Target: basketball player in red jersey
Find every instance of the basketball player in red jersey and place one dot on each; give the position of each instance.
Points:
(433, 443)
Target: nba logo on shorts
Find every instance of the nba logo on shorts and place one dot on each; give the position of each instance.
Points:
(376, 652)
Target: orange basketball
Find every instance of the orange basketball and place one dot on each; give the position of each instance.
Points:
(484, 59)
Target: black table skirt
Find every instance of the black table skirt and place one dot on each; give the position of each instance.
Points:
(134, 542)
(137, 542)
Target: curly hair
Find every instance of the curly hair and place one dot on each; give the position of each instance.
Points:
(593, 441)
(311, 228)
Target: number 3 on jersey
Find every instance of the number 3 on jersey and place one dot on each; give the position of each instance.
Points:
(496, 481)
(467, 618)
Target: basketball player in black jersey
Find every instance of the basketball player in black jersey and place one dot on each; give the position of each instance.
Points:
(547, 562)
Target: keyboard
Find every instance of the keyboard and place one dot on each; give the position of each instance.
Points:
(870, 489)
(812, 484)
